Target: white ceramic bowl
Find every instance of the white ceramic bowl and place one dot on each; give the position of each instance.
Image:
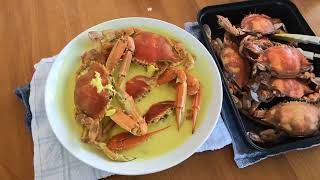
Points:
(67, 62)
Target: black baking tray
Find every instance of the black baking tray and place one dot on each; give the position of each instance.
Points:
(295, 23)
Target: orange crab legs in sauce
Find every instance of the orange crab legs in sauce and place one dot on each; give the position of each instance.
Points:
(185, 85)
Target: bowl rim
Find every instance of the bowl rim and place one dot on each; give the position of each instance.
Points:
(178, 159)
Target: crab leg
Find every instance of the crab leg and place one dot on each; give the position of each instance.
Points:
(167, 76)
(125, 66)
(126, 59)
(181, 96)
(126, 140)
(195, 109)
(193, 85)
(226, 24)
(115, 54)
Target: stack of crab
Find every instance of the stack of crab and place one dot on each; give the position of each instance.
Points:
(259, 70)
(102, 100)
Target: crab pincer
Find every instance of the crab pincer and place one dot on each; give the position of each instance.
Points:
(126, 122)
(195, 109)
(126, 140)
(158, 111)
(139, 86)
(181, 90)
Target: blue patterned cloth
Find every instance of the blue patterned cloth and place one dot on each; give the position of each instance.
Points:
(23, 93)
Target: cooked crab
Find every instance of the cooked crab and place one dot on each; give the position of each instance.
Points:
(257, 24)
(296, 119)
(284, 62)
(92, 100)
(237, 68)
(93, 94)
(146, 48)
(293, 88)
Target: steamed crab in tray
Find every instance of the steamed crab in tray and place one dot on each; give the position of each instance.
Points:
(105, 99)
(271, 83)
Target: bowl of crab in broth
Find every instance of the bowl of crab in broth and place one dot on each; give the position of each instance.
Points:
(133, 96)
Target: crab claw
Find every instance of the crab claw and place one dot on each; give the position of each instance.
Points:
(126, 140)
(126, 122)
(131, 108)
(158, 111)
(138, 86)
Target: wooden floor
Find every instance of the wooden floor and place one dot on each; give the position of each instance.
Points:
(32, 29)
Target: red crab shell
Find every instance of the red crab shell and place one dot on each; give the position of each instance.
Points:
(138, 86)
(236, 65)
(86, 97)
(258, 23)
(285, 61)
(291, 87)
(152, 48)
(158, 110)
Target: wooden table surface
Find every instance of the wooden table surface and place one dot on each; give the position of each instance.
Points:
(32, 29)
